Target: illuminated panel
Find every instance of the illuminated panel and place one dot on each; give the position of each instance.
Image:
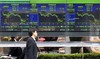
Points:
(80, 7)
(12, 21)
(82, 21)
(68, 7)
(52, 21)
(61, 7)
(34, 19)
(6, 7)
(43, 7)
(96, 7)
(24, 7)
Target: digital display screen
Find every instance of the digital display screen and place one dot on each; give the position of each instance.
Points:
(17, 21)
(49, 17)
(10, 18)
(52, 21)
(24, 7)
(83, 21)
(5, 7)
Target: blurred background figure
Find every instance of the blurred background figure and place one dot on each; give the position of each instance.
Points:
(4, 50)
(15, 51)
(41, 39)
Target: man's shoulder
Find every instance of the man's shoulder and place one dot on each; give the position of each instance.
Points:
(30, 39)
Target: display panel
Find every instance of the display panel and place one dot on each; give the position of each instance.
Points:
(5, 7)
(10, 18)
(48, 17)
(17, 21)
(24, 7)
(43, 7)
(52, 21)
(83, 21)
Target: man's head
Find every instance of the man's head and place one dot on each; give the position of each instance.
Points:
(33, 32)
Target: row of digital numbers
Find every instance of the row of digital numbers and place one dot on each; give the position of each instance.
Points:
(51, 7)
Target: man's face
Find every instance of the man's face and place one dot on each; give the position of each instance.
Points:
(35, 34)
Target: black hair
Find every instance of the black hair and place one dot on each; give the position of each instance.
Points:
(30, 32)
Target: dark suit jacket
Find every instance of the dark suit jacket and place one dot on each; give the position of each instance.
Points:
(15, 51)
(31, 49)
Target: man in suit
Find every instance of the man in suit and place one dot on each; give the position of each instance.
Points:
(31, 46)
